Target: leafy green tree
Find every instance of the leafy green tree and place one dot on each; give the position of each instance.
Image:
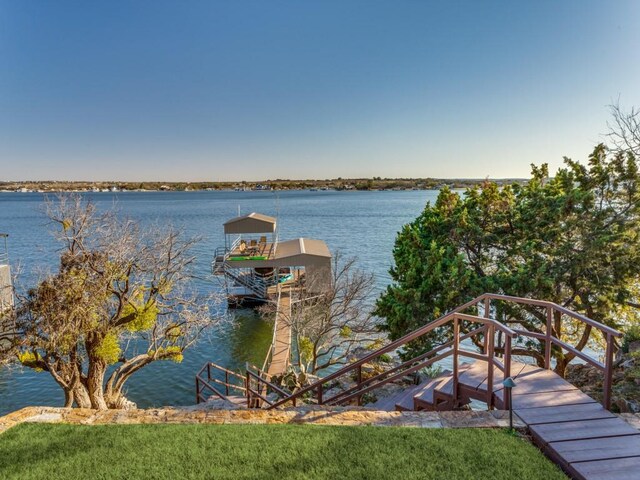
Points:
(573, 239)
(119, 301)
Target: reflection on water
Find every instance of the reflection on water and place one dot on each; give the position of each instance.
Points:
(249, 339)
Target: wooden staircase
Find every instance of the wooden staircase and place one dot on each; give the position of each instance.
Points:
(491, 344)
(579, 434)
(432, 394)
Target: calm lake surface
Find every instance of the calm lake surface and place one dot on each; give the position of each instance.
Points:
(361, 224)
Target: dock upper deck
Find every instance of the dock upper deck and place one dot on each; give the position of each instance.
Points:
(302, 252)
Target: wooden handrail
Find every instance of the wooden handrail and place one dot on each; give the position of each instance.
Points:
(408, 363)
(279, 390)
(210, 387)
(559, 308)
(253, 393)
(209, 380)
(427, 328)
(397, 376)
(456, 315)
(230, 372)
(488, 326)
(230, 385)
(486, 321)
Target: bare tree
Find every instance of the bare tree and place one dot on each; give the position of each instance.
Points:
(328, 327)
(624, 129)
(121, 297)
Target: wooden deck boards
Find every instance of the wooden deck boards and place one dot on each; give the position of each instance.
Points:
(282, 345)
(260, 250)
(593, 449)
(563, 413)
(582, 429)
(618, 469)
(587, 441)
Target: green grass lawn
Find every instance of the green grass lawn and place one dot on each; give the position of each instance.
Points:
(39, 451)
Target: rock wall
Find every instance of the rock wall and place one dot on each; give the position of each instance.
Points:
(353, 416)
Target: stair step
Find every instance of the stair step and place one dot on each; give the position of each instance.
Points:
(389, 403)
(424, 399)
(446, 388)
(404, 402)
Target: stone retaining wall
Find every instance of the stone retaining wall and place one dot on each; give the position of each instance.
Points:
(303, 415)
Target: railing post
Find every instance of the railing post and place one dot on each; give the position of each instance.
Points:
(248, 380)
(608, 372)
(487, 314)
(507, 372)
(547, 342)
(209, 371)
(320, 394)
(490, 360)
(456, 346)
(226, 382)
(359, 400)
(197, 391)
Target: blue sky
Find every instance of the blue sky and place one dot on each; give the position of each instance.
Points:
(204, 90)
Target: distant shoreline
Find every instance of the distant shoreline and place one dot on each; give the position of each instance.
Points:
(376, 183)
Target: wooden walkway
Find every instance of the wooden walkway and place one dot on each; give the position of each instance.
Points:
(585, 440)
(575, 431)
(281, 347)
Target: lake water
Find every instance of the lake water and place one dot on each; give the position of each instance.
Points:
(361, 224)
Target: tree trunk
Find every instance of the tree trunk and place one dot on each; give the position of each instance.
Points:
(81, 396)
(117, 400)
(561, 366)
(95, 381)
(68, 398)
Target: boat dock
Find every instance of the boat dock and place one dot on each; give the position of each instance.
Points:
(255, 267)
